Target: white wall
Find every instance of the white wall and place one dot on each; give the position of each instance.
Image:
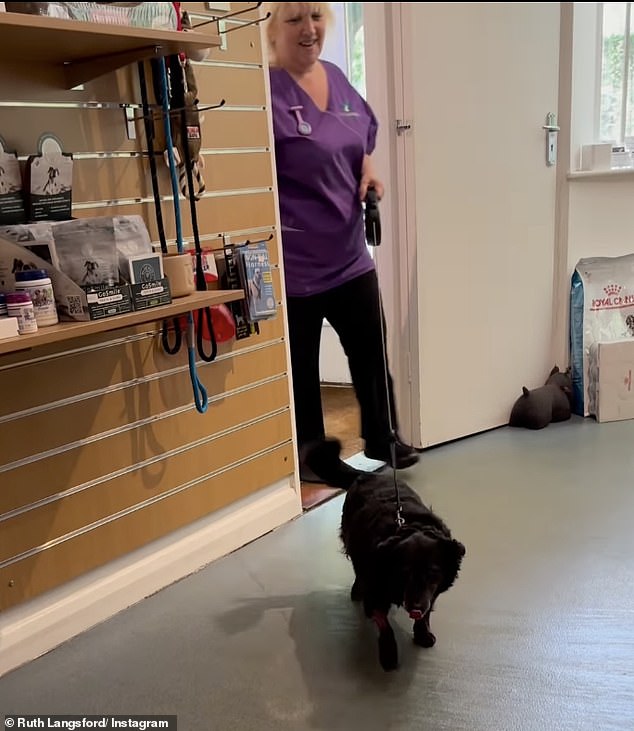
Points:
(601, 218)
(333, 364)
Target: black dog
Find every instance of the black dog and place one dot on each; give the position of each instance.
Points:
(406, 566)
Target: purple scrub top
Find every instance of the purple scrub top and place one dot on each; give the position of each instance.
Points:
(318, 176)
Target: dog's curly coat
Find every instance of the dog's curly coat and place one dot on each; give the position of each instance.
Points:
(407, 566)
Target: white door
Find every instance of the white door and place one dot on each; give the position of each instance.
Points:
(476, 208)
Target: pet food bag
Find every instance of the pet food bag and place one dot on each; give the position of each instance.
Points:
(601, 310)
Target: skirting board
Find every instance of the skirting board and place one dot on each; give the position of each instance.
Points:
(34, 628)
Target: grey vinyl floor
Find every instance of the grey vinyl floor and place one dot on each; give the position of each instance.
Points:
(538, 632)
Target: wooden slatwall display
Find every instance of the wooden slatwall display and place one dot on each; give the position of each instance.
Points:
(101, 448)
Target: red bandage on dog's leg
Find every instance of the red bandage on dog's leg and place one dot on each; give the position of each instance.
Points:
(380, 619)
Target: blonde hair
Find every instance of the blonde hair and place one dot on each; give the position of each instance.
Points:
(279, 10)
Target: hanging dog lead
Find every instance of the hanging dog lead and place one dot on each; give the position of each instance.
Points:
(203, 317)
(200, 393)
(373, 237)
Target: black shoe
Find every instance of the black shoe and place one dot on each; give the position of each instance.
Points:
(405, 456)
(320, 462)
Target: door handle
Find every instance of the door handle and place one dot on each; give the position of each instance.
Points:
(551, 123)
(551, 128)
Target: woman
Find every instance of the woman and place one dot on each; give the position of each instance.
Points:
(324, 134)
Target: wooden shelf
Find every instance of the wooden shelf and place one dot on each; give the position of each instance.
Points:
(73, 330)
(87, 50)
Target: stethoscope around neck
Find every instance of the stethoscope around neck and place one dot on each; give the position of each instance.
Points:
(303, 127)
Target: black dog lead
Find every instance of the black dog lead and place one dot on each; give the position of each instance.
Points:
(373, 238)
(148, 121)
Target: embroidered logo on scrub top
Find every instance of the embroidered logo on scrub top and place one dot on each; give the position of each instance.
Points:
(347, 110)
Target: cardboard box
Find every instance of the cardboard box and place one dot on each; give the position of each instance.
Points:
(150, 294)
(104, 301)
(615, 383)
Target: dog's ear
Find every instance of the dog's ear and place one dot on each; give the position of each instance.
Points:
(454, 549)
(392, 545)
(388, 545)
(453, 552)
(459, 548)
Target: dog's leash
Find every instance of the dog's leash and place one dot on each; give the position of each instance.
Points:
(200, 392)
(178, 99)
(373, 238)
(156, 194)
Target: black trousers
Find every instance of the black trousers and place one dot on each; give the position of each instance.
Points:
(353, 309)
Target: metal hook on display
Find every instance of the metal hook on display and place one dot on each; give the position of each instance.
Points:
(221, 103)
(158, 112)
(248, 241)
(235, 14)
(245, 25)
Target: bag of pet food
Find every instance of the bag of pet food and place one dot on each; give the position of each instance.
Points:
(601, 310)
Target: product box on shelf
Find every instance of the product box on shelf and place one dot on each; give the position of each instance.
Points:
(151, 294)
(105, 301)
(9, 327)
(148, 283)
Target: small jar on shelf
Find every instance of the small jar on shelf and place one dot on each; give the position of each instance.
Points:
(37, 284)
(19, 305)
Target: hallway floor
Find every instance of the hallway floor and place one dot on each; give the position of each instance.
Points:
(536, 635)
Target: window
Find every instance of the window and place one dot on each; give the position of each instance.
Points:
(345, 47)
(616, 114)
(344, 43)
(356, 51)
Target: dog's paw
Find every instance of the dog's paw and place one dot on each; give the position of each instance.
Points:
(388, 652)
(422, 636)
(356, 595)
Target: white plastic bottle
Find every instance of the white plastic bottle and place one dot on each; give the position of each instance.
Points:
(37, 284)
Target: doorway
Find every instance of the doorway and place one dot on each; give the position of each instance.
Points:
(344, 46)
